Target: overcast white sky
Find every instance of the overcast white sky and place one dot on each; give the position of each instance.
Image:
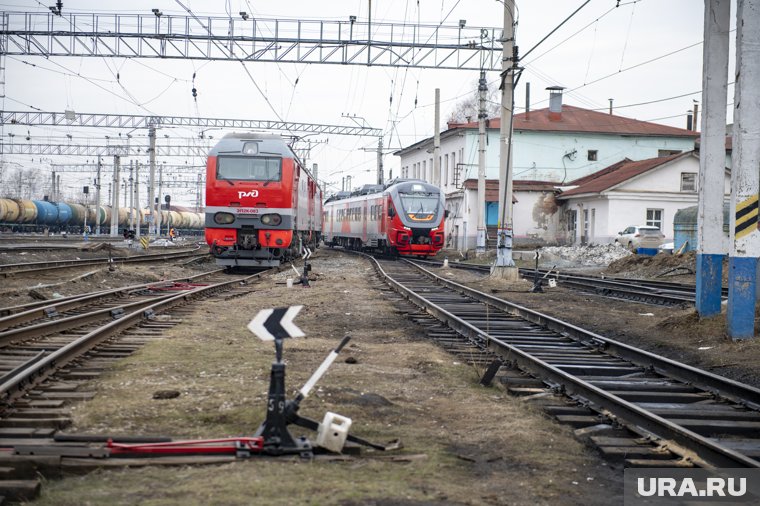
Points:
(601, 40)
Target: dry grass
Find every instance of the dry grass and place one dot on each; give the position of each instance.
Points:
(471, 445)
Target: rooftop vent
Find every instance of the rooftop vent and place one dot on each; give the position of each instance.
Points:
(555, 102)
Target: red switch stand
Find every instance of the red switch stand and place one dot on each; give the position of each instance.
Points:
(238, 446)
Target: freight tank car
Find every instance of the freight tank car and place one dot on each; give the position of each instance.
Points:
(403, 218)
(262, 205)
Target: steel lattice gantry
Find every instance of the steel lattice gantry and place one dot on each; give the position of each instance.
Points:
(72, 119)
(122, 150)
(93, 167)
(349, 42)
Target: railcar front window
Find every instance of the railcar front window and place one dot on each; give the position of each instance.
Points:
(420, 206)
(257, 168)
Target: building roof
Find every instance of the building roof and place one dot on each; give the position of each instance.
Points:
(492, 187)
(533, 185)
(619, 173)
(729, 143)
(594, 175)
(572, 119)
(577, 119)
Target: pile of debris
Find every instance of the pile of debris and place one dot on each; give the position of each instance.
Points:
(586, 256)
(661, 265)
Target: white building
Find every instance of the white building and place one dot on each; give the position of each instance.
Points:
(645, 192)
(549, 147)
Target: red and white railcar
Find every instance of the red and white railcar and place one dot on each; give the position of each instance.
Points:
(402, 218)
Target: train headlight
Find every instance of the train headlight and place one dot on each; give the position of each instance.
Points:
(271, 219)
(224, 218)
(251, 148)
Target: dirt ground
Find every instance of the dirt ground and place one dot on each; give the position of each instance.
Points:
(23, 288)
(463, 444)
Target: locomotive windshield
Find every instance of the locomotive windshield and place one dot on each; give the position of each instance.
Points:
(249, 168)
(420, 206)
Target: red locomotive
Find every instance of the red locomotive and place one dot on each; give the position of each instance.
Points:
(403, 218)
(262, 205)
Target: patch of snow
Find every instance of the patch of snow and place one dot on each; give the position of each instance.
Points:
(163, 242)
(595, 255)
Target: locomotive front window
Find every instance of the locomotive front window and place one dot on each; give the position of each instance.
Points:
(247, 168)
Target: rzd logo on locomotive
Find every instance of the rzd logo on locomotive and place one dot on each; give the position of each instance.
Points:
(252, 193)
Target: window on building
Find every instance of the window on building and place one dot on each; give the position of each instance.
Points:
(571, 218)
(592, 155)
(654, 218)
(668, 152)
(688, 181)
(453, 166)
(445, 180)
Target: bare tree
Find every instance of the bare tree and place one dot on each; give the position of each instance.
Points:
(24, 183)
(466, 110)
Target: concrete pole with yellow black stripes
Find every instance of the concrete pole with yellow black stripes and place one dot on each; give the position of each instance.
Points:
(712, 244)
(745, 175)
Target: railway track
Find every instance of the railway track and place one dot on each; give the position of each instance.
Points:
(646, 291)
(45, 360)
(685, 415)
(53, 310)
(38, 267)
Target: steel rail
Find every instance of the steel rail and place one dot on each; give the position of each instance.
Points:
(71, 322)
(619, 290)
(13, 269)
(718, 385)
(632, 289)
(14, 387)
(16, 315)
(691, 444)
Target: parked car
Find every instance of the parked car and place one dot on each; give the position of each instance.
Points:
(640, 236)
(668, 248)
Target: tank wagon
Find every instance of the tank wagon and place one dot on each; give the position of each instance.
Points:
(38, 215)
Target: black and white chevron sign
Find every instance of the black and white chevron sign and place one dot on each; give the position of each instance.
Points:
(277, 323)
